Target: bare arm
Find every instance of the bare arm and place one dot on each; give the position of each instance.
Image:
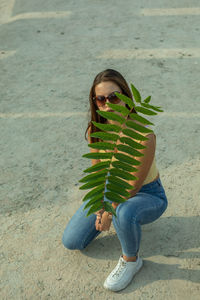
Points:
(144, 167)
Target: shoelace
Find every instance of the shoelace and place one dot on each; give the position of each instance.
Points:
(121, 265)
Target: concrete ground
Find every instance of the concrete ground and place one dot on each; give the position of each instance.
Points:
(50, 52)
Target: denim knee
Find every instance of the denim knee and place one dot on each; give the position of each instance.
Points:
(71, 243)
(124, 216)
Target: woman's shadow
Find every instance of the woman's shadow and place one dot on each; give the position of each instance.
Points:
(167, 240)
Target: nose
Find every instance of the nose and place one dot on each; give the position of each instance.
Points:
(107, 101)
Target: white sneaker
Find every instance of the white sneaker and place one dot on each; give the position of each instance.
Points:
(122, 274)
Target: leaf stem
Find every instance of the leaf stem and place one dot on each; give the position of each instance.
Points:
(115, 149)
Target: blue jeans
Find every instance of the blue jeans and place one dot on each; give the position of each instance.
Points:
(143, 208)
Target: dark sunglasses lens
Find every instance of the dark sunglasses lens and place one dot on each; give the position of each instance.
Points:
(100, 100)
(113, 98)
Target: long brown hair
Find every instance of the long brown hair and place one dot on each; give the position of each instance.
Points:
(106, 75)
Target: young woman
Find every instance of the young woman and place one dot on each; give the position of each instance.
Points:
(148, 200)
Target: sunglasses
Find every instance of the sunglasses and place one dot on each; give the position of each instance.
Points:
(112, 98)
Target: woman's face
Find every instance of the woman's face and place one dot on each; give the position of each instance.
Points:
(104, 89)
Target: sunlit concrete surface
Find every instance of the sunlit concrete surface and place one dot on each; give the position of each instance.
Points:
(6, 8)
(50, 53)
(38, 15)
(179, 114)
(41, 115)
(171, 11)
(5, 54)
(84, 114)
(150, 53)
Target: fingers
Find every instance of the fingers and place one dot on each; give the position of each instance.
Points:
(99, 212)
(98, 223)
(102, 223)
(101, 227)
(98, 226)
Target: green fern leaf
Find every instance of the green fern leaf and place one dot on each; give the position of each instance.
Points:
(125, 99)
(105, 136)
(94, 200)
(122, 174)
(148, 99)
(129, 150)
(114, 197)
(94, 208)
(109, 208)
(127, 159)
(93, 183)
(120, 182)
(145, 111)
(123, 110)
(117, 189)
(140, 119)
(152, 107)
(123, 166)
(107, 127)
(94, 192)
(98, 155)
(136, 93)
(138, 127)
(134, 134)
(115, 175)
(102, 145)
(110, 116)
(94, 175)
(131, 143)
(98, 166)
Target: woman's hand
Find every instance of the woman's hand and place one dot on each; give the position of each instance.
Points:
(99, 212)
(103, 222)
